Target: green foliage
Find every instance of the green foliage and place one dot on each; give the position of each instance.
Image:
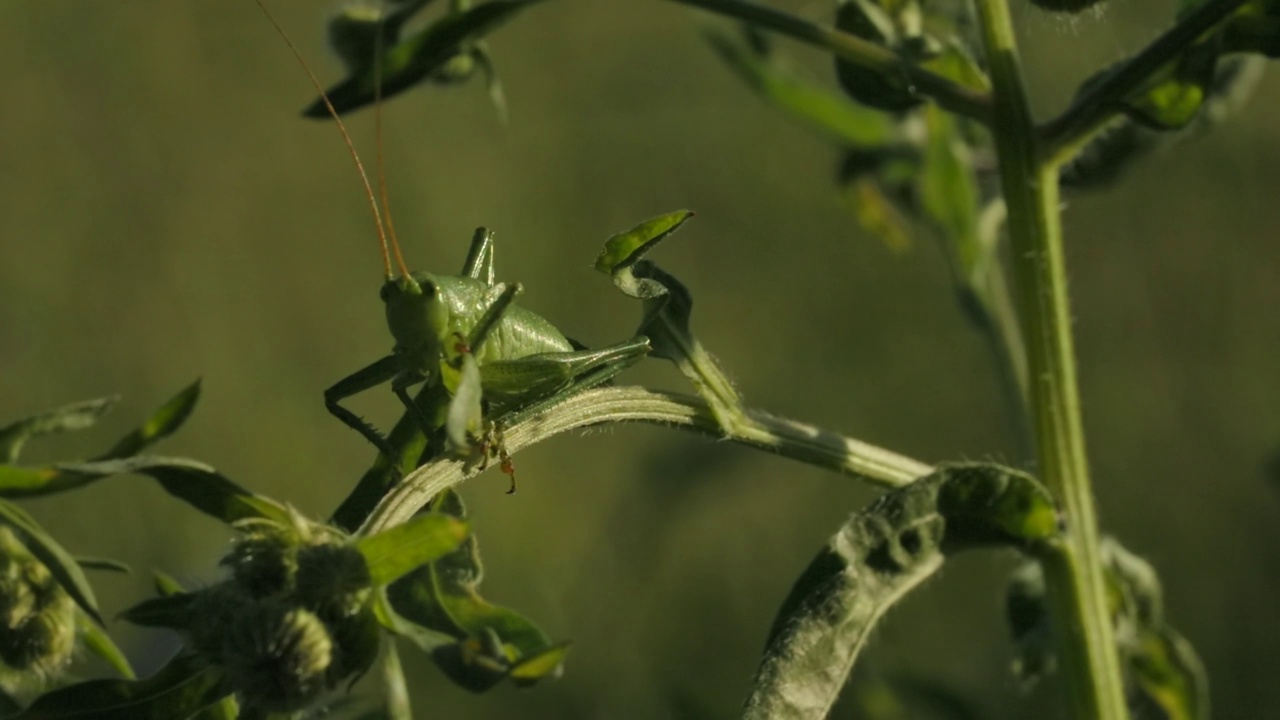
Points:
(920, 120)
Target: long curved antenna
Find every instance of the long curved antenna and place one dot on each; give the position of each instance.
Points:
(355, 156)
(382, 164)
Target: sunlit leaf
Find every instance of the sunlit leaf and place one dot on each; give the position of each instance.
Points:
(393, 553)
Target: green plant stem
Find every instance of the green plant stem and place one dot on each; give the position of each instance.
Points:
(1083, 634)
(951, 96)
(787, 438)
(1063, 136)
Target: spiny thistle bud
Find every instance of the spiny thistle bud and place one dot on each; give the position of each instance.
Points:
(263, 561)
(37, 617)
(332, 579)
(278, 657)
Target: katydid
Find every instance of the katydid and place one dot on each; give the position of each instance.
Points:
(485, 357)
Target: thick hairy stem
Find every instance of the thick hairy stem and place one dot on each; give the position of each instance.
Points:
(789, 439)
(1083, 634)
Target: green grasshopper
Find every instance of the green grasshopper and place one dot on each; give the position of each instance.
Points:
(482, 358)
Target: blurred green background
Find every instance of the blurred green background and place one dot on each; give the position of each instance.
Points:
(165, 214)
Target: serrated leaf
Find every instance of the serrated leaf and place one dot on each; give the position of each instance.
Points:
(393, 553)
(97, 641)
(61, 565)
(414, 59)
(184, 686)
(28, 482)
(193, 482)
(843, 121)
(68, 418)
(872, 562)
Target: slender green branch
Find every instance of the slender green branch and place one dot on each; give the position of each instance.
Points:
(1063, 135)
(863, 53)
(1083, 634)
(789, 439)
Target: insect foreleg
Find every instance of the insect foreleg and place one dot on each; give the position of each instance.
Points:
(479, 264)
(357, 382)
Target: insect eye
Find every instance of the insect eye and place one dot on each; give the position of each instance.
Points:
(384, 292)
(428, 289)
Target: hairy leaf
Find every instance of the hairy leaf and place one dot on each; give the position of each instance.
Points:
(875, 559)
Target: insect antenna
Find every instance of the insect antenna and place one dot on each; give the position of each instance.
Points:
(346, 137)
(377, 133)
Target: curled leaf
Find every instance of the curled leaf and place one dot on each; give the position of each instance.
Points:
(874, 560)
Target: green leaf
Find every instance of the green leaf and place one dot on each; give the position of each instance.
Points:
(622, 251)
(956, 64)
(165, 584)
(393, 553)
(163, 422)
(488, 641)
(26, 482)
(413, 60)
(845, 122)
(61, 565)
(193, 482)
(874, 20)
(874, 560)
(68, 418)
(465, 419)
(184, 686)
(948, 193)
(1167, 678)
(105, 564)
(97, 641)
(172, 611)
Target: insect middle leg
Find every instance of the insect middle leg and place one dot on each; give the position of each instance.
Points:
(357, 382)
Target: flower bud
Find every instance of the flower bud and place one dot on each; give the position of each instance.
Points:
(277, 657)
